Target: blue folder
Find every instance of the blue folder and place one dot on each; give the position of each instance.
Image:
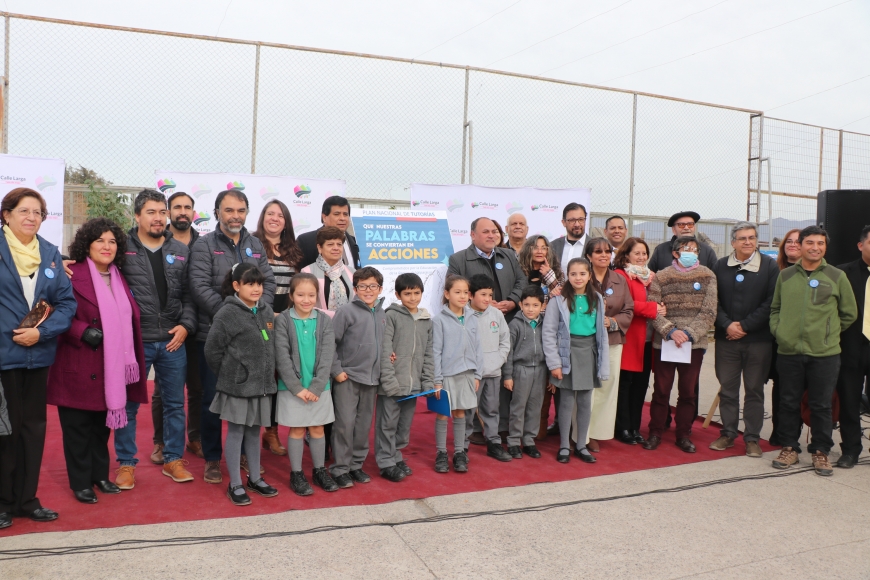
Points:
(440, 406)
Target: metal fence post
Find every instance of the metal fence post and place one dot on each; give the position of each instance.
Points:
(631, 178)
(464, 125)
(840, 160)
(5, 143)
(256, 100)
(821, 154)
(758, 174)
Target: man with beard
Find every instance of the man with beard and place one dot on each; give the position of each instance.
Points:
(156, 269)
(181, 226)
(571, 245)
(213, 255)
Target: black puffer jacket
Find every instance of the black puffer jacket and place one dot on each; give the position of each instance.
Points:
(179, 309)
(212, 257)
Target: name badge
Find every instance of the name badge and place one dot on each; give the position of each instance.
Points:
(49, 273)
(740, 277)
(493, 326)
(609, 292)
(170, 259)
(696, 285)
(248, 252)
(499, 266)
(814, 283)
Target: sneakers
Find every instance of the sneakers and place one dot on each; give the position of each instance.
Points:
(753, 449)
(238, 498)
(460, 462)
(175, 470)
(125, 479)
(821, 464)
(322, 479)
(722, 443)
(157, 454)
(441, 463)
(343, 481)
(299, 484)
(243, 461)
(261, 487)
(496, 451)
(786, 458)
(212, 472)
(359, 476)
(515, 452)
(404, 467)
(393, 473)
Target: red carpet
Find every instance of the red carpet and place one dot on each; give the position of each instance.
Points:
(157, 499)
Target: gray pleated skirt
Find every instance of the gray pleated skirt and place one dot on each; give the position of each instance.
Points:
(243, 410)
(461, 389)
(294, 412)
(584, 365)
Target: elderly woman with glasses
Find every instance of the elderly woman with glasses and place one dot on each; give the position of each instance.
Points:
(688, 291)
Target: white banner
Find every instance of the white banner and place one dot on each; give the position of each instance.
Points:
(45, 176)
(465, 203)
(303, 195)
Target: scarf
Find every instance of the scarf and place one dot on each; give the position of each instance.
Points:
(680, 268)
(27, 257)
(120, 367)
(337, 293)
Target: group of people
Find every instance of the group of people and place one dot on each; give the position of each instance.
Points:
(266, 329)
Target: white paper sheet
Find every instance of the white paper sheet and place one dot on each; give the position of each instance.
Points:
(672, 353)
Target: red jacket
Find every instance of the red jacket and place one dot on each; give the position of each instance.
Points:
(76, 377)
(632, 350)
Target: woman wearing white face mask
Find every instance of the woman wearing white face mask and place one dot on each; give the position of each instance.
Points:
(688, 291)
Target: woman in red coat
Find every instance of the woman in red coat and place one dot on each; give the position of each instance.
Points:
(630, 262)
(99, 359)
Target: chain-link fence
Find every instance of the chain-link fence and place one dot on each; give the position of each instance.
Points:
(124, 102)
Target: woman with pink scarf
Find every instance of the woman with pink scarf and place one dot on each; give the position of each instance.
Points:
(99, 360)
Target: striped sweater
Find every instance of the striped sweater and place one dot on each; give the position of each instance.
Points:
(691, 300)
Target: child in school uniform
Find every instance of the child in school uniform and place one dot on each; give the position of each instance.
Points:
(495, 343)
(576, 349)
(525, 374)
(458, 365)
(407, 368)
(239, 350)
(304, 349)
(356, 368)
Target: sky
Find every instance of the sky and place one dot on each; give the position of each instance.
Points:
(127, 107)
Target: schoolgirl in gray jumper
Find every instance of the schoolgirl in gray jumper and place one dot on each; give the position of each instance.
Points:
(240, 353)
(458, 366)
(576, 348)
(304, 349)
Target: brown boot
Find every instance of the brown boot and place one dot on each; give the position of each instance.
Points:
(195, 447)
(272, 442)
(157, 454)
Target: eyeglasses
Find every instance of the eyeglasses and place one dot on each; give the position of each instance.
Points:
(368, 286)
(792, 243)
(24, 212)
(575, 220)
(689, 249)
(749, 239)
(601, 251)
(684, 225)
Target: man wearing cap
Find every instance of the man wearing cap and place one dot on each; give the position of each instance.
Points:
(681, 224)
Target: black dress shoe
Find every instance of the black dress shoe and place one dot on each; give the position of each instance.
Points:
(652, 443)
(846, 461)
(107, 487)
(359, 476)
(5, 520)
(515, 452)
(42, 514)
(393, 473)
(238, 499)
(563, 457)
(685, 444)
(261, 487)
(343, 481)
(553, 429)
(86, 496)
(496, 451)
(584, 455)
(532, 451)
(637, 436)
(407, 470)
(626, 437)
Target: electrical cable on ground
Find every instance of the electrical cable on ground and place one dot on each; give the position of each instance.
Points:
(127, 545)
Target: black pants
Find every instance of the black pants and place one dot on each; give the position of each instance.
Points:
(632, 392)
(194, 397)
(85, 446)
(850, 386)
(817, 376)
(21, 452)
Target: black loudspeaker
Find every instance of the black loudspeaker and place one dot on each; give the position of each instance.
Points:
(843, 213)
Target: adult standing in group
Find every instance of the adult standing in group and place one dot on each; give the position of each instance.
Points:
(484, 257)
(615, 230)
(31, 271)
(156, 267)
(789, 254)
(334, 213)
(618, 313)
(688, 290)
(213, 255)
(334, 277)
(181, 226)
(855, 358)
(517, 231)
(275, 232)
(813, 303)
(745, 282)
(572, 243)
(99, 374)
(636, 363)
(682, 224)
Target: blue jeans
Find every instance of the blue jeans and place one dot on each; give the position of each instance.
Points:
(171, 367)
(210, 426)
